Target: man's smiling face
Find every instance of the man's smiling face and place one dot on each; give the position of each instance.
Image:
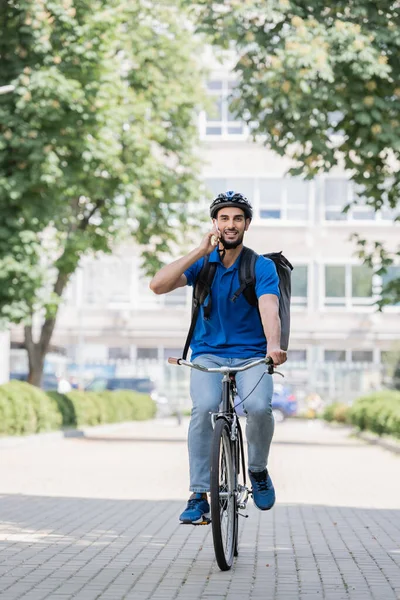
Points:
(232, 224)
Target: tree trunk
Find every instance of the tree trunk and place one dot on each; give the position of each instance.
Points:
(35, 358)
(37, 350)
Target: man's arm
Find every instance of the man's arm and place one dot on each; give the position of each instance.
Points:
(268, 305)
(172, 276)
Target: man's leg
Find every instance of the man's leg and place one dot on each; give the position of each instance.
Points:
(258, 409)
(206, 392)
(255, 387)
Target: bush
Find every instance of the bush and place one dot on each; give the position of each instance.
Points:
(65, 407)
(25, 408)
(337, 411)
(378, 412)
(128, 406)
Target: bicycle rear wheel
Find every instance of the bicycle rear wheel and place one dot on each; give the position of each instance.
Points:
(223, 496)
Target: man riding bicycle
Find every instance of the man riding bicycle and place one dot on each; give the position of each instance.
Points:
(235, 333)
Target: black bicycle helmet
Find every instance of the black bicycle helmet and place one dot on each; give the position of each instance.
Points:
(231, 198)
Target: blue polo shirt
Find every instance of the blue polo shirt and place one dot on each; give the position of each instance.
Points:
(234, 329)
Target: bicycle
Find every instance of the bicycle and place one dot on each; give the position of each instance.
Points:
(228, 490)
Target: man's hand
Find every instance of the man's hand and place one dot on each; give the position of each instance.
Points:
(209, 242)
(278, 356)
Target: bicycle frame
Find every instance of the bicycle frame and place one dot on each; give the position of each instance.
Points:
(228, 411)
(227, 495)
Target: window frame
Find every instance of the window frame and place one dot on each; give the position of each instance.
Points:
(223, 93)
(363, 304)
(284, 205)
(349, 216)
(301, 306)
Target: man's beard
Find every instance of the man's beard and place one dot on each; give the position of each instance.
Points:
(231, 245)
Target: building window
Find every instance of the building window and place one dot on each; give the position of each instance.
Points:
(147, 353)
(218, 120)
(172, 352)
(299, 285)
(284, 198)
(391, 274)
(297, 355)
(335, 355)
(277, 198)
(348, 285)
(119, 353)
(339, 193)
(336, 197)
(361, 283)
(244, 186)
(335, 285)
(362, 356)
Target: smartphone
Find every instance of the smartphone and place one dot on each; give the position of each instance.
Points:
(215, 225)
(214, 239)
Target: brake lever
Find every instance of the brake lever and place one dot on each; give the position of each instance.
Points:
(271, 371)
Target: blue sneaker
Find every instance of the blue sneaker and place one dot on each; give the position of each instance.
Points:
(197, 511)
(263, 490)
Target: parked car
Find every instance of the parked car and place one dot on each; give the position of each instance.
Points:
(137, 384)
(48, 383)
(284, 403)
(143, 385)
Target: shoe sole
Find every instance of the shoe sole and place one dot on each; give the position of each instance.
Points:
(204, 520)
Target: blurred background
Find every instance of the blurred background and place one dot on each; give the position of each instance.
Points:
(119, 125)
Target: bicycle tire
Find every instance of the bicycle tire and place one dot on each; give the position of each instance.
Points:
(240, 478)
(237, 472)
(223, 510)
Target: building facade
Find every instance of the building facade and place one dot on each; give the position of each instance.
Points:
(338, 339)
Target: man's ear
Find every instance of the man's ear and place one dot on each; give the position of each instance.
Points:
(248, 221)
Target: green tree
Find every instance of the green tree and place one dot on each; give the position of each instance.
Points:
(320, 83)
(97, 141)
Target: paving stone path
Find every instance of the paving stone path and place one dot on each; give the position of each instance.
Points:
(95, 518)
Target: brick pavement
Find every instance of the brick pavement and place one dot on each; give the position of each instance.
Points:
(96, 518)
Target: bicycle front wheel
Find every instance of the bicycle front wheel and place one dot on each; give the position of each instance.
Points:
(223, 496)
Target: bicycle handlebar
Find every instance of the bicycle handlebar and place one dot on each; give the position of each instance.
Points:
(267, 361)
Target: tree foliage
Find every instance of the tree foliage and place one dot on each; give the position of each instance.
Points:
(319, 83)
(97, 140)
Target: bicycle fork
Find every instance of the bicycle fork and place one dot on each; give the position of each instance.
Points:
(241, 491)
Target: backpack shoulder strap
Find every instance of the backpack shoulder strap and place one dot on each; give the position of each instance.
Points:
(202, 286)
(247, 276)
(201, 289)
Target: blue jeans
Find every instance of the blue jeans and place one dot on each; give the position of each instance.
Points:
(206, 394)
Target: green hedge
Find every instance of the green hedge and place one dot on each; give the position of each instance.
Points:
(378, 412)
(26, 409)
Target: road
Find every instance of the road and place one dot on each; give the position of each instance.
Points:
(96, 517)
